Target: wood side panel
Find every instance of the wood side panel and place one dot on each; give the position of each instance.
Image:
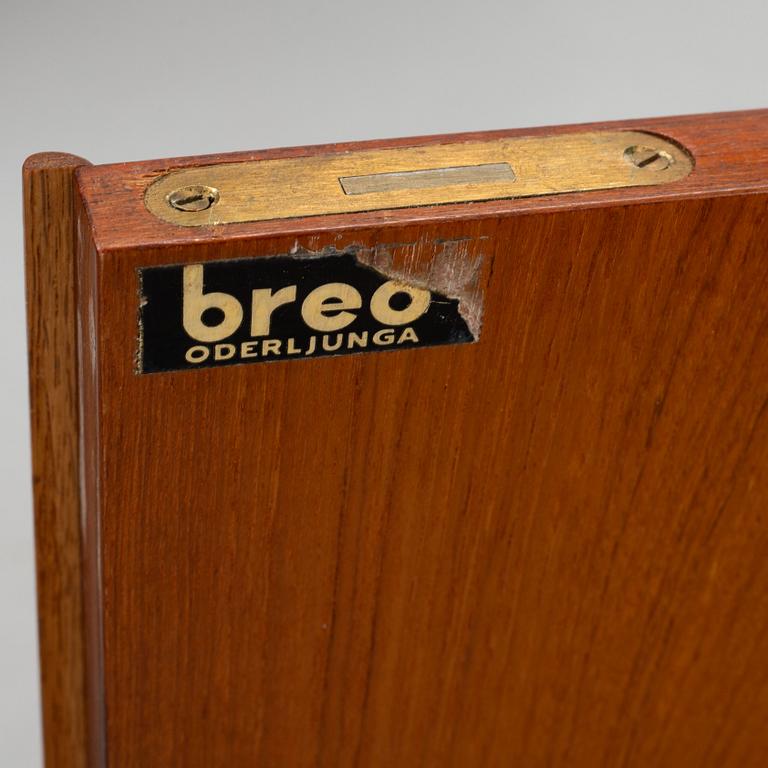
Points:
(546, 548)
(50, 246)
(90, 462)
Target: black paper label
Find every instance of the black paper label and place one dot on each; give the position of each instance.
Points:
(284, 308)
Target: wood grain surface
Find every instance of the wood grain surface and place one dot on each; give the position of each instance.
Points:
(50, 245)
(730, 151)
(546, 548)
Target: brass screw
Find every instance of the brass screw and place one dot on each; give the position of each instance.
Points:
(194, 198)
(648, 158)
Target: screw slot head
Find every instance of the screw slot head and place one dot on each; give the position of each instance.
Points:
(648, 158)
(193, 198)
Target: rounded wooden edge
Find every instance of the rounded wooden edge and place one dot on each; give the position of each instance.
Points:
(49, 194)
(41, 161)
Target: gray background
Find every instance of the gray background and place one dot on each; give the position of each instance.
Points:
(133, 80)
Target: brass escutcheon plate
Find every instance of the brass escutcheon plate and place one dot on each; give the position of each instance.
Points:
(377, 179)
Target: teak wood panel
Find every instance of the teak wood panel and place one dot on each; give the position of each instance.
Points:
(545, 548)
(730, 151)
(50, 245)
